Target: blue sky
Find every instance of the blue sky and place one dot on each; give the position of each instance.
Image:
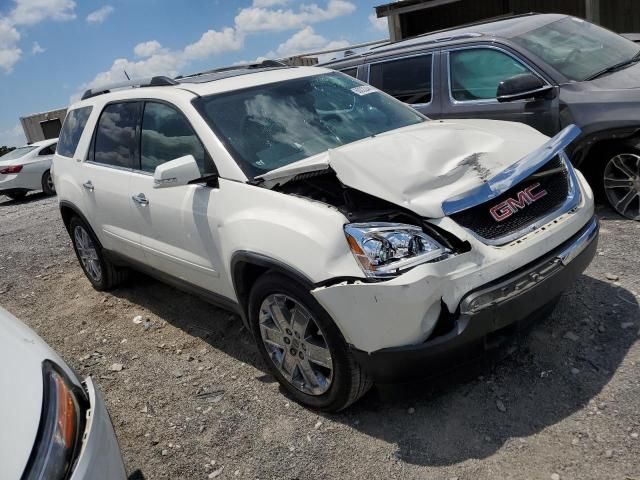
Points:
(51, 50)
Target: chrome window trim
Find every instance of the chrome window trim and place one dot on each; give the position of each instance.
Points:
(487, 101)
(402, 57)
(106, 165)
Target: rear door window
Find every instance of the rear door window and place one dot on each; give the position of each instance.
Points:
(407, 79)
(72, 130)
(115, 139)
(167, 135)
(50, 150)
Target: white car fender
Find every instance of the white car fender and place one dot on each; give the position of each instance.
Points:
(299, 232)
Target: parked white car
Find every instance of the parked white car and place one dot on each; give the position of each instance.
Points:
(54, 426)
(358, 240)
(28, 168)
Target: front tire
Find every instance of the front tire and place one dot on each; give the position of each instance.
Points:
(302, 346)
(102, 274)
(47, 183)
(620, 180)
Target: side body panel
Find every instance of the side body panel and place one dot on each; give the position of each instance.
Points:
(177, 231)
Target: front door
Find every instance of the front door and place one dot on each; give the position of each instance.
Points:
(471, 76)
(177, 224)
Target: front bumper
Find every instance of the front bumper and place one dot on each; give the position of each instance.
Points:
(488, 312)
(99, 457)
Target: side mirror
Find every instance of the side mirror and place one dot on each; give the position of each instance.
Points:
(176, 172)
(523, 86)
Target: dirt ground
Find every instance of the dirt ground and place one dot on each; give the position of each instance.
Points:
(193, 399)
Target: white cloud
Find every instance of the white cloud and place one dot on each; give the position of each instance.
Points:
(307, 40)
(213, 42)
(30, 12)
(100, 15)
(146, 49)
(13, 136)
(27, 13)
(10, 53)
(379, 24)
(257, 19)
(36, 48)
(156, 60)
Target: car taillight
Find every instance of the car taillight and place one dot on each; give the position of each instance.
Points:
(11, 169)
(61, 426)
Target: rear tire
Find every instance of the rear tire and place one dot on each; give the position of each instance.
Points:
(102, 274)
(305, 344)
(47, 183)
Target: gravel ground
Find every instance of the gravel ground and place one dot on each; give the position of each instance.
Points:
(193, 399)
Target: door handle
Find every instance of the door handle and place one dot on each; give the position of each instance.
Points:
(140, 199)
(88, 185)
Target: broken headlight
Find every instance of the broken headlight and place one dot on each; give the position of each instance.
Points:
(385, 250)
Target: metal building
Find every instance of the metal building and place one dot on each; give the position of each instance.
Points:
(408, 18)
(42, 126)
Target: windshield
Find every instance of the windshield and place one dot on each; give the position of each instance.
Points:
(17, 153)
(269, 126)
(576, 48)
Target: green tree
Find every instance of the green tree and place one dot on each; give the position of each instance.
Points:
(4, 149)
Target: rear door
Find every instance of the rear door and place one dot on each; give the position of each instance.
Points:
(410, 79)
(471, 76)
(175, 223)
(105, 175)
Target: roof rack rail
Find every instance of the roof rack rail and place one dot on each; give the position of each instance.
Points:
(159, 81)
(250, 66)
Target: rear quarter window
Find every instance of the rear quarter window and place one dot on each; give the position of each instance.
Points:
(72, 130)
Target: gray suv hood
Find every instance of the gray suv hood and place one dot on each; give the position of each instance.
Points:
(422, 166)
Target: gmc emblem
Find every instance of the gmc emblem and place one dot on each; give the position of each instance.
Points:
(526, 197)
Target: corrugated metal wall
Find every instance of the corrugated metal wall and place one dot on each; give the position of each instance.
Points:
(618, 15)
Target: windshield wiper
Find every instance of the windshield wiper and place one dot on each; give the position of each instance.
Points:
(612, 68)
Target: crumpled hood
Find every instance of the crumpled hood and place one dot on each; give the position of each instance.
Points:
(21, 355)
(421, 166)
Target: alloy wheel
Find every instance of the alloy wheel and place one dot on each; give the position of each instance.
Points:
(622, 184)
(50, 185)
(295, 344)
(88, 254)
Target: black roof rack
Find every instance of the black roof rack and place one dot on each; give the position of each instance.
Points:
(159, 81)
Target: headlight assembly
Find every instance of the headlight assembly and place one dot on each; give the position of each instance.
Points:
(60, 428)
(385, 250)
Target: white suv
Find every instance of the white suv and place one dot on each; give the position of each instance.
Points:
(358, 240)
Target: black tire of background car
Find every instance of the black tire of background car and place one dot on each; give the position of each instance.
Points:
(45, 184)
(349, 381)
(18, 195)
(112, 276)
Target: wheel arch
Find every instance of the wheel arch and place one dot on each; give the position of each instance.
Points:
(247, 267)
(68, 210)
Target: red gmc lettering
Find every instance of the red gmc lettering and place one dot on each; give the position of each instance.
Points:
(525, 197)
